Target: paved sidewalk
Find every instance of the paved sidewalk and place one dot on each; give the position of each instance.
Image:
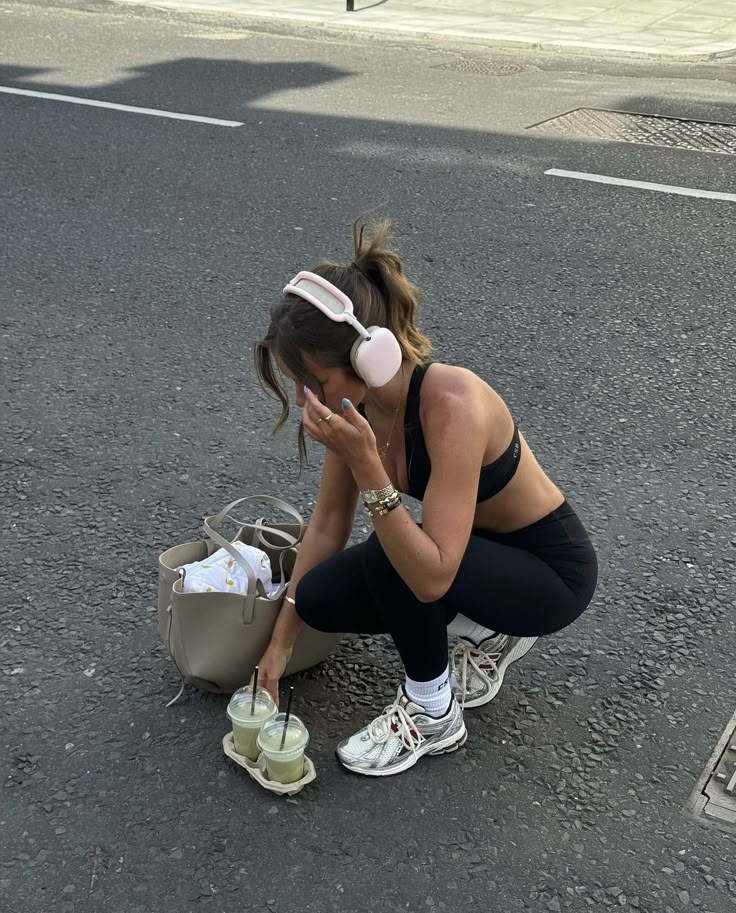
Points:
(661, 28)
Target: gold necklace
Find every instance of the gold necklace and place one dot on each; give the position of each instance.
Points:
(382, 451)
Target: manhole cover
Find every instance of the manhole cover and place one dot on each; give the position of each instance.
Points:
(482, 67)
(714, 798)
(647, 129)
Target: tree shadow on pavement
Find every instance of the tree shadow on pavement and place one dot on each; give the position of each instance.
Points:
(191, 85)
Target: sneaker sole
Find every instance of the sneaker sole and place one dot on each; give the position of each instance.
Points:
(446, 746)
(518, 651)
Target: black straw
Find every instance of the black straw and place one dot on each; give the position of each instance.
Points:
(286, 718)
(255, 688)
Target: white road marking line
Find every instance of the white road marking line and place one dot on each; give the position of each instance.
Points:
(154, 112)
(642, 185)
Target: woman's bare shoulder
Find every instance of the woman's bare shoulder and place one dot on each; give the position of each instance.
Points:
(448, 381)
(450, 391)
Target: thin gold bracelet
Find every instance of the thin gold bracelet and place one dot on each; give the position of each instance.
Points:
(387, 506)
(384, 507)
(387, 499)
(289, 599)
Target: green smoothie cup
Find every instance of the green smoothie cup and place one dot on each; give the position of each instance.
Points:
(248, 716)
(283, 745)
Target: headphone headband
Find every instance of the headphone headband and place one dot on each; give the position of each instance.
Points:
(327, 297)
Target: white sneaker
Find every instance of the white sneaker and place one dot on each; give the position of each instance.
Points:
(399, 736)
(476, 672)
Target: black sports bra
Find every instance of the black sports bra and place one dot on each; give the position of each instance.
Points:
(494, 476)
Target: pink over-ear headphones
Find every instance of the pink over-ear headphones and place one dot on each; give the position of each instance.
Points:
(376, 353)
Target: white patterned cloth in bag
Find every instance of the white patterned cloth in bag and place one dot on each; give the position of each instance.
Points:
(220, 573)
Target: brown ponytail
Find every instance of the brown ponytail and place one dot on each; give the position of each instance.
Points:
(383, 268)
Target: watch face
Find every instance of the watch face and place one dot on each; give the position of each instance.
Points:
(371, 496)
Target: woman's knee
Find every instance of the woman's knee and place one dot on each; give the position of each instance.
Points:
(375, 562)
(330, 588)
(312, 596)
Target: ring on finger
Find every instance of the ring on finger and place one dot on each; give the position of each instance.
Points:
(325, 418)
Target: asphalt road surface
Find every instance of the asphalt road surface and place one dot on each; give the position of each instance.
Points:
(139, 257)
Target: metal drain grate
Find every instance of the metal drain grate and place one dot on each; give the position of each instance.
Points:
(482, 67)
(714, 798)
(647, 129)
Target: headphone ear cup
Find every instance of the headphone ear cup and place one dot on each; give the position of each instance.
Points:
(378, 359)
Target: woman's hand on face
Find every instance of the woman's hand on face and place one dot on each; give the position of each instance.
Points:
(347, 433)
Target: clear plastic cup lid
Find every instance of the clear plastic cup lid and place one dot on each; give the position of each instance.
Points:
(242, 707)
(270, 736)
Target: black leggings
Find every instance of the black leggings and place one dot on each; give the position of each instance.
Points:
(531, 582)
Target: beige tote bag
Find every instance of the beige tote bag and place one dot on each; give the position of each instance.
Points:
(216, 639)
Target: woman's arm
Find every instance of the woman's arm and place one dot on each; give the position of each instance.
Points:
(428, 558)
(327, 534)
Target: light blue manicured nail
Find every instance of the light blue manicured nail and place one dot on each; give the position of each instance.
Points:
(306, 388)
(346, 404)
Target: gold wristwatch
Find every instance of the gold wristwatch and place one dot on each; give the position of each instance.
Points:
(374, 495)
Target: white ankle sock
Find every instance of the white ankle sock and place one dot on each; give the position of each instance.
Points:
(434, 696)
(464, 627)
